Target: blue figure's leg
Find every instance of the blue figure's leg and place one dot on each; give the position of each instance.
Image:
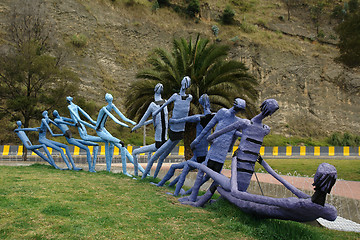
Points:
(51, 144)
(68, 153)
(45, 158)
(107, 157)
(49, 158)
(164, 155)
(88, 154)
(144, 149)
(205, 179)
(95, 154)
(150, 154)
(131, 159)
(77, 143)
(183, 176)
(156, 155)
(136, 170)
(87, 137)
(111, 153)
(196, 187)
(170, 173)
(123, 161)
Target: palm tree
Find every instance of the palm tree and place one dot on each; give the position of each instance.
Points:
(210, 73)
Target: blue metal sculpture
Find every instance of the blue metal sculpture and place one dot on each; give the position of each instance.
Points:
(303, 208)
(27, 144)
(160, 122)
(220, 146)
(109, 140)
(55, 145)
(62, 124)
(75, 116)
(201, 150)
(176, 130)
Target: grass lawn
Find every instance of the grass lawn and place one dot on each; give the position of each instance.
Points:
(347, 169)
(39, 202)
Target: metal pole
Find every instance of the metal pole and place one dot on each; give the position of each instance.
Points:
(144, 137)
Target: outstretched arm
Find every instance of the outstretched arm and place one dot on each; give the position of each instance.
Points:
(143, 119)
(85, 115)
(293, 189)
(236, 125)
(171, 99)
(61, 121)
(208, 127)
(48, 127)
(114, 118)
(192, 118)
(122, 116)
(27, 129)
(87, 124)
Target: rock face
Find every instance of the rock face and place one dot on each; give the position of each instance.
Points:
(316, 95)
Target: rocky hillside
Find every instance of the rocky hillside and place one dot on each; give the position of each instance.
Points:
(317, 96)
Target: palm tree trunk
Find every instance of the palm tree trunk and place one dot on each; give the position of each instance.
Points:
(190, 134)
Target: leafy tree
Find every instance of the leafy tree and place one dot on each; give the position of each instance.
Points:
(228, 15)
(353, 6)
(33, 75)
(163, 3)
(290, 4)
(210, 73)
(349, 34)
(193, 8)
(316, 12)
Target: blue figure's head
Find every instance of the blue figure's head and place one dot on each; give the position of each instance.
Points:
(69, 99)
(19, 123)
(239, 104)
(268, 107)
(55, 113)
(109, 98)
(45, 113)
(158, 88)
(204, 101)
(185, 83)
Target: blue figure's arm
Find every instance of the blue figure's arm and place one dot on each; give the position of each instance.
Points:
(192, 118)
(51, 132)
(171, 99)
(61, 121)
(238, 134)
(122, 116)
(83, 113)
(208, 128)
(87, 124)
(27, 129)
(236, 125)
(114, 118)
(86, 115)
(144, 117)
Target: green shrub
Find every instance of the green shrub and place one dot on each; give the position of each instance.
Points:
(79, 40)
(247, 27)
(215, 30)
(347, 139)
(228, 15)
(163, 3)
(193, 8)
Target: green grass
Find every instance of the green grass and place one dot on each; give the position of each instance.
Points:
(347, 169)
(39, 202)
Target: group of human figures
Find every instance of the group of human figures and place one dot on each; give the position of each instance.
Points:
(208, 160)
(86, 140)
